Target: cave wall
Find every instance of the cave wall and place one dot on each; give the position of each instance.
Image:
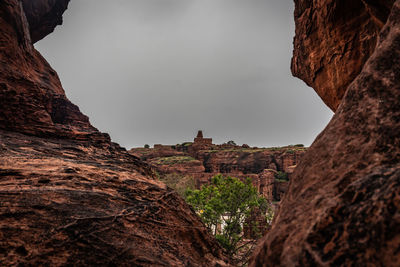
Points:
(334, 39)
(343, 203)
(69, 196)
(31, 95)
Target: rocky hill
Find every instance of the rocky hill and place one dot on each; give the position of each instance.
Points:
(343, 203)
(71, 197)
(269, 168)
(68, 195)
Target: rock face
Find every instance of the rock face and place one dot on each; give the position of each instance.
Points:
(66, 203)
(43, 16)
(203, 160)
(68, 195)
(31, 96)
(334, 38)
(343, 203)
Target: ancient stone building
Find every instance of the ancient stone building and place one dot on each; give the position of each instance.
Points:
(200, 141)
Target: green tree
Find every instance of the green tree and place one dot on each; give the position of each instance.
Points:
(232, 143)
(224, 206)
(146, 146)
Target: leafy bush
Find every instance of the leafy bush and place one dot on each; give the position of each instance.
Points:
(232, 143)
(224, 206)
(281, 176)
(146, 146)
(290, 151)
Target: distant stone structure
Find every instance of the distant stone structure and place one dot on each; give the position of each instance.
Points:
(202, 160)
(200, 134)
(200, 141)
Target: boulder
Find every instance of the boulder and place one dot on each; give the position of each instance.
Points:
(43, 16)
(334, 39)
(69, 196)
(343, 203)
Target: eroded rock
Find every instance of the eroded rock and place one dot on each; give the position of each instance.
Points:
(69, 196)
(64, 203)
(32, 99)
(334, 38)
(343, 204)
(43, 16)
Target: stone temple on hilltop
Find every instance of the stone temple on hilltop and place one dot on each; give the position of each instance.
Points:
(200, 142)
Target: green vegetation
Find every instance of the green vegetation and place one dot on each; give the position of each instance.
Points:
(146, 146)
(299, 145)
(290, 151)
(232, 143)
(180, 183)
(224, 206)
(173, 160)
(187, 144)
(281, 177)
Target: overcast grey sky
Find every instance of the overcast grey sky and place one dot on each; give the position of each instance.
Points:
(156, 71)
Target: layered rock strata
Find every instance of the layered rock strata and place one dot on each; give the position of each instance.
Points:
(31, 96)
(69, 196)
(203, 160)
(343, 203)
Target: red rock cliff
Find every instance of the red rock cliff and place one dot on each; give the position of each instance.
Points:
(334, 38)
(43, 16)
(68, 195)
(31, 96)
(343, 203)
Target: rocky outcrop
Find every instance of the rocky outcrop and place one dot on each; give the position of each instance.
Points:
(64, 203)
(267, 184)
(69, 196)
(181, 165)
(249, 161)
(343, 203)
(334, 38)
(31, 96)
(203, 160)
(43, 16)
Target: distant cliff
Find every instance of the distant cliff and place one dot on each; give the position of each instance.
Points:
(269, 168)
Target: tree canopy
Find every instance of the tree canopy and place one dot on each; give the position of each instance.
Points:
(224, 206)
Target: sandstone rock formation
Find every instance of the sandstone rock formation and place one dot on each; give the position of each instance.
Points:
(202, 160)
(43, 16)
(65, 203)
(343, 203)
(31, 96)
(68, 195)
(334, 38)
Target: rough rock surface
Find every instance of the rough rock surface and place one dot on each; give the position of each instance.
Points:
(203, 162)
(32, 99)
(334, 38)
(343, 203)
(65, 203)
(43, 16)
(68, 195)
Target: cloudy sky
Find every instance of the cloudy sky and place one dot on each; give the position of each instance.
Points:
(156, 71)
